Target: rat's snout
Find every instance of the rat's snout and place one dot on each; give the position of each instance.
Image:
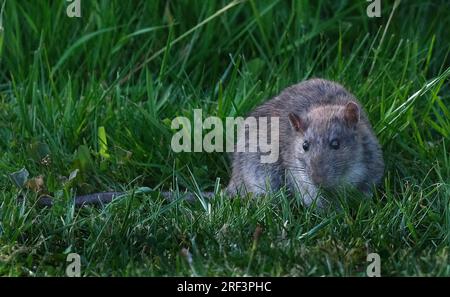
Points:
(317, 171)
(316, 178)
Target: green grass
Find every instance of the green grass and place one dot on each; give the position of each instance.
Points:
(133, 68)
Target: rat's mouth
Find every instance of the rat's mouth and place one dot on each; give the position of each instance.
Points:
(325, 184)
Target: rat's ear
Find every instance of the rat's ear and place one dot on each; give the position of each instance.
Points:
(351, 113)
(297, 123)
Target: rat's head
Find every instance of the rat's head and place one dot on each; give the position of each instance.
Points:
(326, 142)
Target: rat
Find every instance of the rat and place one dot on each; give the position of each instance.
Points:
(325, 142)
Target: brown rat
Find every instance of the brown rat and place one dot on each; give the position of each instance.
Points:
(325, 141)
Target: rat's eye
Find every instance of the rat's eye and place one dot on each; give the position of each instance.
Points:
(334, 144)
(306, 145)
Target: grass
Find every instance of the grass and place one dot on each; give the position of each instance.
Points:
(122, 71)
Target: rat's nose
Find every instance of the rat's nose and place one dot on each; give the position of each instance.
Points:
(316, 177)
(316, 171)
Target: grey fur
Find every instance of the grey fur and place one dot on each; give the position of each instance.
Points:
(321, 106)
